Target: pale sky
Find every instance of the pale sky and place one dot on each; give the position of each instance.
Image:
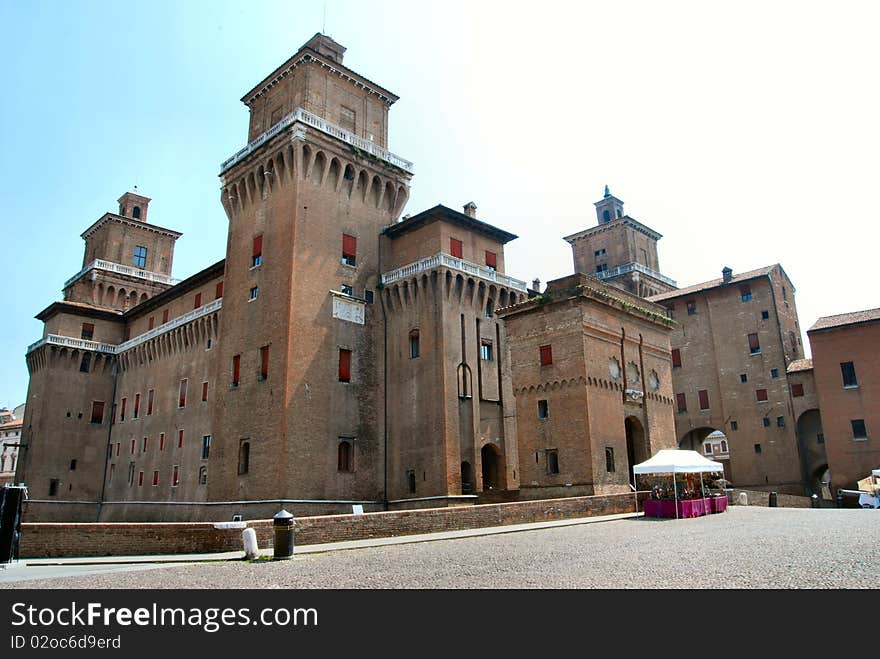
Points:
(745, 133)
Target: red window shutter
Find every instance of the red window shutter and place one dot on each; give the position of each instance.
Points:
(219, 292)
(204, 391)
(164, 316)
(161, 441)
(546, 355)
(761, 394)
(97, 411)
(88, 331)
(491, 259)
(753, 342)
(137, 405)
(681, 399)
(455, 248)
(122, 411)
(264, 362)
(797, 390)
(150, 402)
(140, 479)
(132, 446)
(704, 399)
(155, 478)
(344, 365)
(198, 302)
(236, 369)
(676, 357)
(349, 245)
(180, 439)
(145, 445)
(151, 323)
(258, 246)
(182, 398)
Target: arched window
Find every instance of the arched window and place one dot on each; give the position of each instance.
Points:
(136, 212)
(344, 456)
(606, 216)
(414, 347)
(489, 308)
(203, 476)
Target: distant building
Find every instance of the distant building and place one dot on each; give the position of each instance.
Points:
(10, 439)
(846, 365)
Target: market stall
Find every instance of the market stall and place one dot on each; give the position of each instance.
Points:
(677, 480)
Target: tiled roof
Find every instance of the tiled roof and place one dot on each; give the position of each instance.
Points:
(852, 318)
(800, 365)
(15, 423)
(715, 283)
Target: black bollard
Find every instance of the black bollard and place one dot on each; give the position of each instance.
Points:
(283, 525)
(773, 500)
(814, 501)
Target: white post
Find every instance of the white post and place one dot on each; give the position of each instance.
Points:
(675, 490)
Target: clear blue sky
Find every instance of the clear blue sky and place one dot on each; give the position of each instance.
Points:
(746, 133)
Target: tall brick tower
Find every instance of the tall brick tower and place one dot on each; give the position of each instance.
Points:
(299, 387)
(620, 251)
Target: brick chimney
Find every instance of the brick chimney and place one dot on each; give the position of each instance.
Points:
(726, 275)
(470, 209)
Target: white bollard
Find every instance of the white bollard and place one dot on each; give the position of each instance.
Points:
(743, 499)
(251, 550)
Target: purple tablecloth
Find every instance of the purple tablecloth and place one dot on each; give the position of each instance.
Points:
(686, 508)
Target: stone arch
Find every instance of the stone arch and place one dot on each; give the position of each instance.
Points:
(636, 444)
(492, 468)
(348, 178)
(306, 155)
(318, 168)
(467, 478)
(811, 449)
(389, 197)
(334, 173)
(400, 200)
(375, 192)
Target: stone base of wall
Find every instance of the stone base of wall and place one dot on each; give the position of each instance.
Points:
(64, 540)
(759, 498)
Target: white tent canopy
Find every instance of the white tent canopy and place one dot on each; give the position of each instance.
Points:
(677, 461)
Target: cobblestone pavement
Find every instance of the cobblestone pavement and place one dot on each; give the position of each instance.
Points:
(743, 548)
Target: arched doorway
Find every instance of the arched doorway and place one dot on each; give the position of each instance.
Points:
(636, 446)
(710, 443)
(467, 478)
(490, 457)
(811, 449)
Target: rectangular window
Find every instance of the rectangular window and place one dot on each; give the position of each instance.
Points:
(155, 478)
(761, 394)
(144, 449)
(546, 355)
(97, 411)
(765, 315)
(161, 441)
(681, 400)
(137, 406)
(349, 250)
(257, 253)
(602, 267)
(140, 479)
(704, 399)
(345, 289)
(734, 425)
(609, 459)
(53, 487)
(118, 446)
(848, 371)
(858, 429)
(133, 445)
(485, 350)
(206, 446)
(552, 461)
(754, 344)
(676, 357)
(88, 331)
(774, 372)
(691, 307)
(797, 390)
(491, 260)
(757, 448)
(218, 291)
(236, 370)
(181, 399)
(180, 439)
(264, 362)
(204, 391)
(198, 301)
(707, 448)
(151, 324)
(175, 476)
(344, 365)
(368, 296)
(254, 293)
(743, 377)
(164, 316)
(543, 410)
(766, 422)
(140, 256)
(780, 421)
(745, 292)
(820, 438)
(86, 363)
(414, 344)
(122, 410)
(244, 457)
(455, 248)
(131, 473)
(150, 401)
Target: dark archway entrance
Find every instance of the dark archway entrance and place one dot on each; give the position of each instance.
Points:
(467, 478)
(811, 448)
(636, 446)
(490, 457)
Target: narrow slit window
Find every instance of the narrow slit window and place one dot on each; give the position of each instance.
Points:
(264, 362)
(344, 365)
(236, 370)
(244, 457)
(414, 345)
(181, 399)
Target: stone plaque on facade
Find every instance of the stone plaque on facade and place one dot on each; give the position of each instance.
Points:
(346, 308)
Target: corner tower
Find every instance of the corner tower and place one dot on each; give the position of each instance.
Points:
(620, 251)
(299, 412)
